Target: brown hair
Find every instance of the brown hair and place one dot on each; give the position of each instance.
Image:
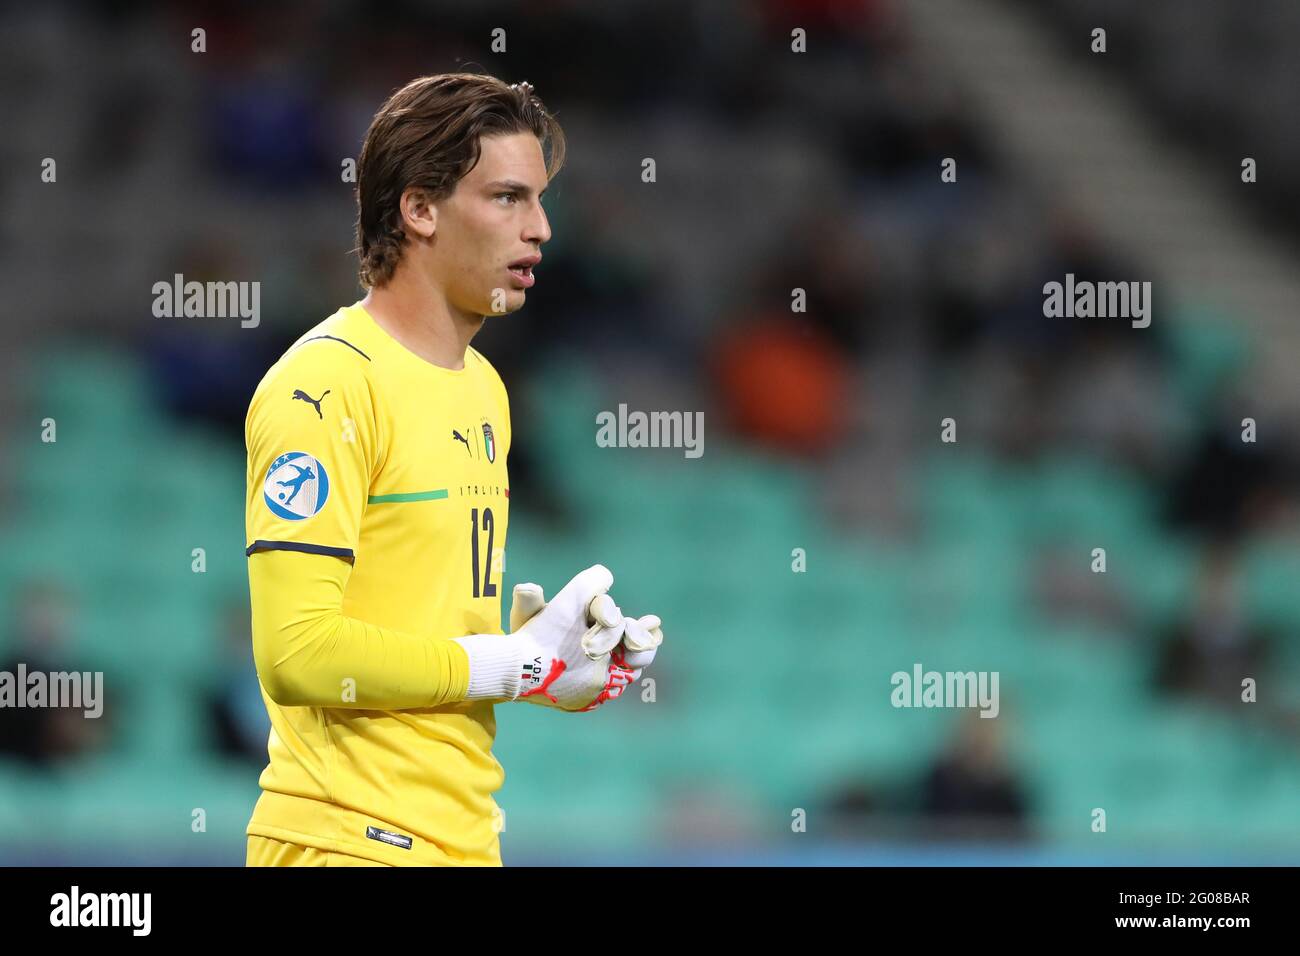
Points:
(427, 136)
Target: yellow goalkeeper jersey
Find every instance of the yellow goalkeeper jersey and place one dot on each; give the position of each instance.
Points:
(360, 450)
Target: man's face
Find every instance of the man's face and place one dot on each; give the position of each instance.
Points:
(492, 221)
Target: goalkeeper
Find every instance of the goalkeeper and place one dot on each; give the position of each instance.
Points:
(378, 502)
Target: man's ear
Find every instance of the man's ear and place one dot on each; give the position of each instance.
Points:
(419, 214)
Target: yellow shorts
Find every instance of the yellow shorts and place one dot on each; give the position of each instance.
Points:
(263, 851)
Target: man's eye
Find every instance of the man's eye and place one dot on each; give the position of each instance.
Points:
(511, 196)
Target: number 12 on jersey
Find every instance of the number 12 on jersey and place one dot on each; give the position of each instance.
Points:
(488, 589)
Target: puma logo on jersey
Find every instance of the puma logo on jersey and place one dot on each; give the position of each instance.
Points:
(301, 396)
(459, 437)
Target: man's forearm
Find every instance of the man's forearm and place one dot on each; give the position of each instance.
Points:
(309, 654)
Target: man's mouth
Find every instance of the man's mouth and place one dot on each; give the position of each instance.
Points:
(522, 269)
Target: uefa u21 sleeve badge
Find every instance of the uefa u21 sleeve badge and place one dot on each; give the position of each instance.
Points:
(296, 486)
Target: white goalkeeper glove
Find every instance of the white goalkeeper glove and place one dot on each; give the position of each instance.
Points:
(543, 660)
(624, 649)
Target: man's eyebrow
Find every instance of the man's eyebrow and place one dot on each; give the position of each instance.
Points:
(515, 186)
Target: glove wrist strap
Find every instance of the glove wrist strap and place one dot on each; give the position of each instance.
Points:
(493, 666)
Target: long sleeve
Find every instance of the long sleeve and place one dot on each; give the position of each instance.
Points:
(309, 654)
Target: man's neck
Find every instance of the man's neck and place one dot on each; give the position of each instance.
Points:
(419, 317)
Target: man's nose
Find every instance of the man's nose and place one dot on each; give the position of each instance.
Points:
(539, 228)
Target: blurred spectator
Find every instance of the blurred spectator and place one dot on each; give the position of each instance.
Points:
(1227, 486)
(972, 790)
(42, 736)
(783, 384)
(1214, 645)
(838, 269)
(236, 714)
(855, 809)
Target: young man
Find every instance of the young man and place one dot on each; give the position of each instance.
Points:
(377, 509)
